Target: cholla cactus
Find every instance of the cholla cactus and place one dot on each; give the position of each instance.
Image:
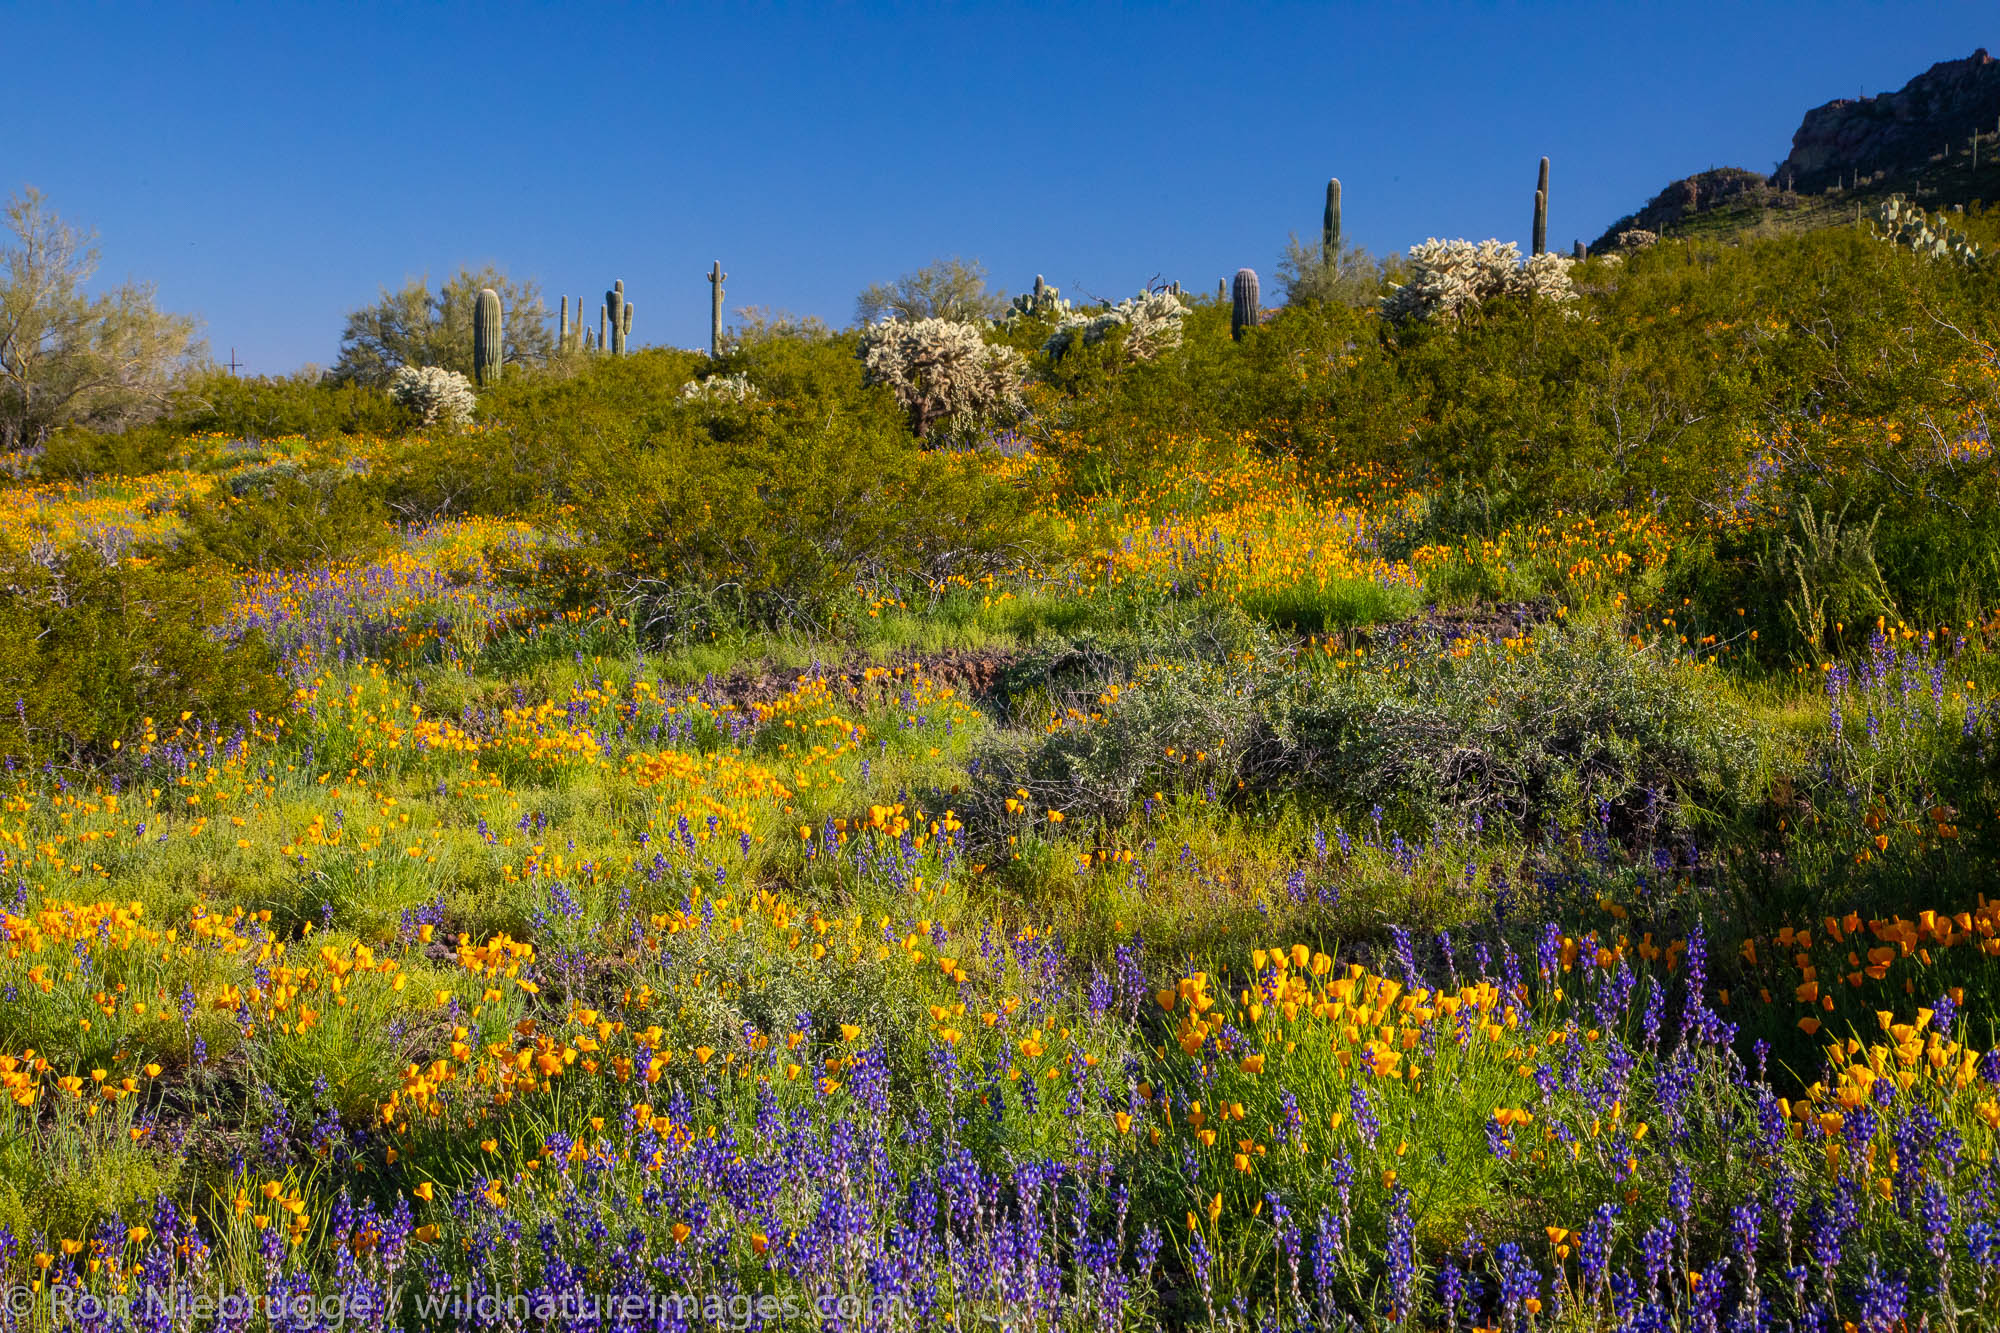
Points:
(1901, 222)
(438, 396)
(1449, 278)
(1637, 238)
(719, 389)
(1151, 320)
(946, 376)
(1045, 302)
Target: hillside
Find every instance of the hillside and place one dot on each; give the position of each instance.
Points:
(1936, 140)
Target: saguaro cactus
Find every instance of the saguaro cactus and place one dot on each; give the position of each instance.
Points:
(614, 304)
(486, 351)
(1243, 302)
(562, 325)
(716, 277)
(1329, 238)
(1541, 237)
(601, 329)
(1578, 253)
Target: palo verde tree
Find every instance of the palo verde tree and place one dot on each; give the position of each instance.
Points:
(416, 326)
(102, 360)
(953, 289)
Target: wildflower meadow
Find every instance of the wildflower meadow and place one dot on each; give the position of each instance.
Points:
(1470, 805)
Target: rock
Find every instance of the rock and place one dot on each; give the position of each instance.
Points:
(1897, 132)
(1685, 198)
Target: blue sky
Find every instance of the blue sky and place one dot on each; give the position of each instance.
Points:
(271, 166)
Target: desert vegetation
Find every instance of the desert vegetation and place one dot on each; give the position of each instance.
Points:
(1467, 800)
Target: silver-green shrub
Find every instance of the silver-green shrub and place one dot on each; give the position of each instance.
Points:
(949, 379)
(1151, 320)
(438, 397)
(1450, 278)
(719, 389)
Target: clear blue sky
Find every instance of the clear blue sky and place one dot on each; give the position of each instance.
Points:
(271, 166)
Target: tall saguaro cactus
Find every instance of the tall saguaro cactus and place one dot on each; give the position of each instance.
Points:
(562, 326)
(1243, 302)
(716, 277)
(486, 348)
(614, 305)
(1329, 242)
(1541, 237)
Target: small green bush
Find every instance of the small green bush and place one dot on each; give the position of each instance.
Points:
(90, 647)
(268, 407)
(770, 518)
(281, 517)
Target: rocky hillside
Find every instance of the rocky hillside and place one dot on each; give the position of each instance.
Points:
(1936, 139)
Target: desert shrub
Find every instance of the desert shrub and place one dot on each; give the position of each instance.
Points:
(1102, 720)
(949, 289)
(267, 407)
(547, 440)
(75, 452)
(1447, 279)
(1144, 326)
(947, 377)
(433, 396)
(90, 647)
(1582, 726)
(1305, 274)
(772, 518)
(282, 517)
(1315, 372)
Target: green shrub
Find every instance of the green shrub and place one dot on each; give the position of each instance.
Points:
(270, 406)
(281, 517)
(89, 648)
(1582, 725)
(770, 518)
(75, 452)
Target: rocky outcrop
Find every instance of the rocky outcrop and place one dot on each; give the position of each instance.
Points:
(1887, 143)
(1685, 198)
(1895, 133)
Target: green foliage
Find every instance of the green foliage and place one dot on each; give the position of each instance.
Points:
(953, 289)
(1583, 728)
(74, 452)
(281, 517)
(1584, 725)
(773, 517)
(90, 647)
(415, 326)
(66, 356)
(309, 403)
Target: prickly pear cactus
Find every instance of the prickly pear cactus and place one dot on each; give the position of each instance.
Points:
(1901, 222)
